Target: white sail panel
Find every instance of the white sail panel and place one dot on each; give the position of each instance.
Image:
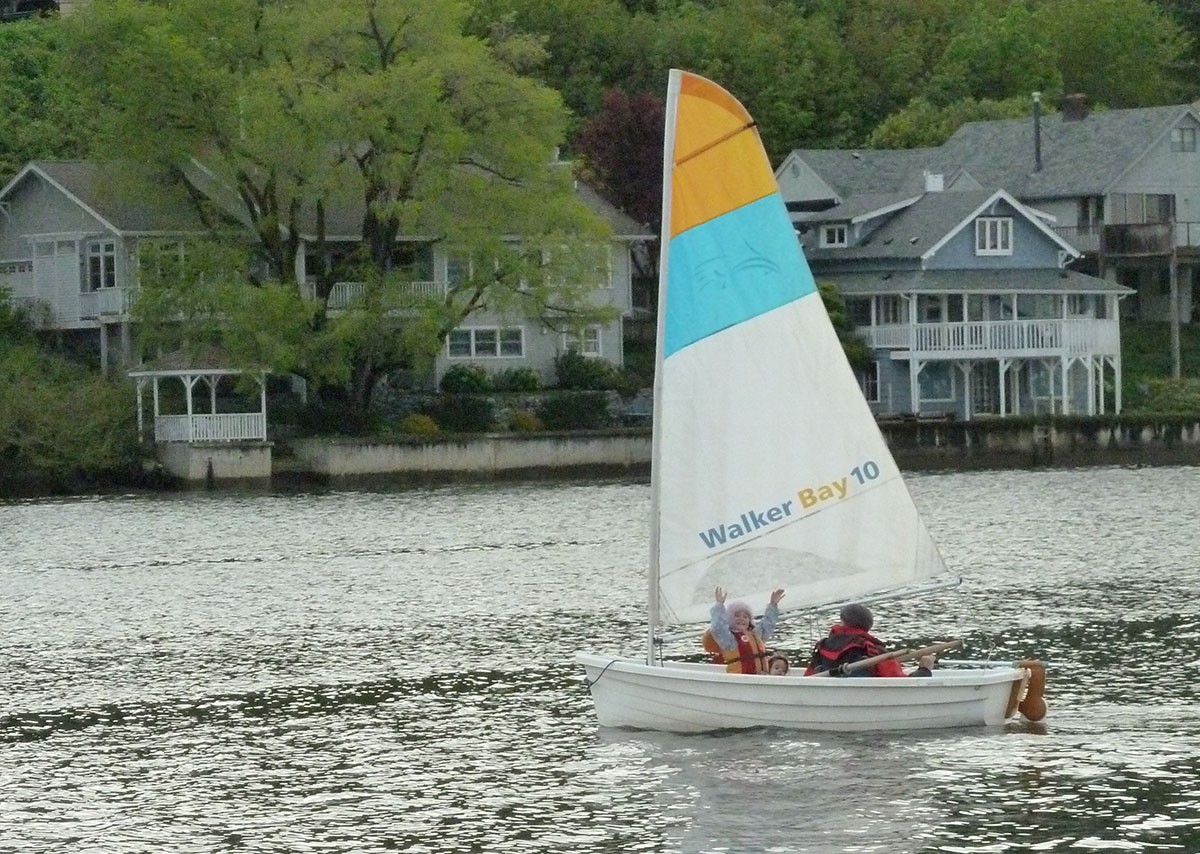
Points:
(774, 473)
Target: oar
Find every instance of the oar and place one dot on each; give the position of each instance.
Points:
(899, 654)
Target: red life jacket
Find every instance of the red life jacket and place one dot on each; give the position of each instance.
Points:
(844, 645)
(750, 655)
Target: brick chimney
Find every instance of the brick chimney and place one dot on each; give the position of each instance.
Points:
(1075, 107)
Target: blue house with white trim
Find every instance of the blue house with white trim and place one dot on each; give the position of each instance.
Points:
(964, 296)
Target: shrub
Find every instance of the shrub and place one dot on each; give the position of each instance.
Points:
(418, 424)
(517, 379)
(466, 379)
(525, 422)
(464, 413)
(578, 372)
(585, 410)
(334, 417)
(1167, 396)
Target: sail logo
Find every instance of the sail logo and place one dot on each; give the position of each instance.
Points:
(748, 522)
(808, 498)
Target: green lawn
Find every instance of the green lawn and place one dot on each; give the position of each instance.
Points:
(1146, 353)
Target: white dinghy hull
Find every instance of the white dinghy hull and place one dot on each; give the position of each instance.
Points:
(690, 698)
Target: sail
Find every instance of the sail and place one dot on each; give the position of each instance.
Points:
(768, 468)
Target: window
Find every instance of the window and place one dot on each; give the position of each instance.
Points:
(936, 382)
(930, 308)
(993, 235)
(869, 380)
(858, 309)
(1183, 139)
(413, 261)
(102, 264)
(891, 310)
(1081, 305)
(485, 342)
(458, 269)
(585, 342)
(833, 235)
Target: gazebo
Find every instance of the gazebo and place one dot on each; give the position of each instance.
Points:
(193, 426)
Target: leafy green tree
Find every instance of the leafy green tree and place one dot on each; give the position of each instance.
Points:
(858, 352)
(44, 441)
(41, 114)
(292, 114)
(1120, 53)
(921, 124)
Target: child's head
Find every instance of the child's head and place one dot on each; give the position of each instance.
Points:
(779, 665)
(740, 616)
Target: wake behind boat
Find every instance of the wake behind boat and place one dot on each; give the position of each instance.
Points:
(768, 469)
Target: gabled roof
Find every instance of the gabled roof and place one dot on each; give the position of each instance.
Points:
(87, 185)
(859, 208)
(1036, 281)
(991, 202)
(1082, 157)
(859, 172)
(915, 231)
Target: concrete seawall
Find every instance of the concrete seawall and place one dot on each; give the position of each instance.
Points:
(916, 445)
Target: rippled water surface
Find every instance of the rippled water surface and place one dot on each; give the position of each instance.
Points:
(355, 671)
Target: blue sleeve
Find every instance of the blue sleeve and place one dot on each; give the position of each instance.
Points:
(767, 622)
(720, 627)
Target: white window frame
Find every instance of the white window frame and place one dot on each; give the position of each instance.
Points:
(465, 262)
(868, 380)
(101, 265)
(993, 235)
(587, 341)
(487, 342)
(949, 368)
(1183, 139)
(891, 310)
(834, 236)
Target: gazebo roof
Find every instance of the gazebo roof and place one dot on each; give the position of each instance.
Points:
(210, 362)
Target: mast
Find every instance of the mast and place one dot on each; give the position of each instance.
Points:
(664, 243)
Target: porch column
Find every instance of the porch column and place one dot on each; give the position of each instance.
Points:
(140, 385)
(966, 368)
(1117, 385)
(1091, 371)
(914, 387)
(1002, 367)
(1066, 402)
(103, 347)
(189, 383)
(262, 403)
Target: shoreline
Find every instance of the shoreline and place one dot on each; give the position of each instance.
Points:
(918, 445)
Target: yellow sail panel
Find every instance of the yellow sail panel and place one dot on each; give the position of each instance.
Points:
(720, 164)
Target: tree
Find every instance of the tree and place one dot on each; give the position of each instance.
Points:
(1142, 49)
(41, 114)
(294, 116)
(922, 125)
(621, 151)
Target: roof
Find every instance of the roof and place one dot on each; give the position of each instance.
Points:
(210, 361)
(857, 207)
(912, 231)
(973, 281)
(85, 183)
(1081, 157)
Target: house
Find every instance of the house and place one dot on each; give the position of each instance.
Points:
(965, 300)
(70, 244)
(1122, 187)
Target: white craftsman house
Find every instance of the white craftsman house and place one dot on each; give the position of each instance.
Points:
(965, 298)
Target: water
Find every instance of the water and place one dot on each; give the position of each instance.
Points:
(347, 672)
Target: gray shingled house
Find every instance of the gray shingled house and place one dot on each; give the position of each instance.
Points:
(1121, 186)
(70, 244)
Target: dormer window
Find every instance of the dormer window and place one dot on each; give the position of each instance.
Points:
(833, 236)
(1183, 139)
(993, 235)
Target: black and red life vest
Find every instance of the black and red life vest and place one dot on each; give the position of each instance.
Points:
(845, 644)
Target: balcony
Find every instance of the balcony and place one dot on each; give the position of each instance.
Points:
(998, 338)
(1148, 238)
(106, 302)
(344, 294)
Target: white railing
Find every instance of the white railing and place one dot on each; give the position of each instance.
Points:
(1004, 337)
(224, 427)
(104, 302)
(343, 294)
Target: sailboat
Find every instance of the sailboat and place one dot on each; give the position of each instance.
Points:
(768, 470)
